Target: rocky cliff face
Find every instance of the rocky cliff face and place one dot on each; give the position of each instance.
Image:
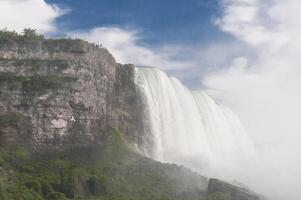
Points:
(69, 93)
(63, 92)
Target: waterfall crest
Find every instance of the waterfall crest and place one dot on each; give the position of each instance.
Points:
(189, 128)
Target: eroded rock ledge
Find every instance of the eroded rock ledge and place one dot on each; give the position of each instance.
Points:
(63, 92)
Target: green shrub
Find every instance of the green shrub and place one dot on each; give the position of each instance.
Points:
(2, 161)
(3, 194)
(46, 188)
(27, 34)
(68, 182)
(26, 168)
(19, 153)
(17, 191)
(97, 185)
(31, 34)
(56, 196)
(5, 34)
(34, 185)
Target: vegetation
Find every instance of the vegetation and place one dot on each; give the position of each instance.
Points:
(31, 34)
(35, 64)
(217, 196)
(27, 34)
(11, 119)
(35, 82)
(112, 172)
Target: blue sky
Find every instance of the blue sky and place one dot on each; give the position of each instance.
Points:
(181, 30)
(168, 21)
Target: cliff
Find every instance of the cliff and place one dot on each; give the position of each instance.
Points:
(70, 122)
(63, 92)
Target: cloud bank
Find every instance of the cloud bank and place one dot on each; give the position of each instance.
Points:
(265, 91)
(126, 47)
(37, 14)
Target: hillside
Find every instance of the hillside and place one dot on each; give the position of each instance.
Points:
(71, 127)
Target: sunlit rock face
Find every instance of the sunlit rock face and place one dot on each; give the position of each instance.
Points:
(62, 92)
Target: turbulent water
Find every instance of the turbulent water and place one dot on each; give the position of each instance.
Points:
(189, 128)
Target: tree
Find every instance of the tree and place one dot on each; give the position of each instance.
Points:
(29, 33)
(4, 33)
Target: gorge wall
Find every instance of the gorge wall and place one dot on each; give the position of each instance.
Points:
(64, 92)
(70, 93)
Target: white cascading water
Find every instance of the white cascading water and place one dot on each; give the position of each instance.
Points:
(190, 129)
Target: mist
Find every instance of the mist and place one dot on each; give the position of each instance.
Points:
(265, 91)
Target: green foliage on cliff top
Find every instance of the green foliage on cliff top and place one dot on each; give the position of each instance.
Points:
(27, 34)
(111, 172)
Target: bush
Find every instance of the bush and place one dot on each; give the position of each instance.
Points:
(3, 195)
(2, 161)
(27, 34)
(56, 196)
(46, 188)
(31, 34)
(23, 193)
(19, 153)
(5, 34)
(96, 185)
(34, 185)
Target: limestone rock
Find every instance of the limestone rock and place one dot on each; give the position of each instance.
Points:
(68, 92)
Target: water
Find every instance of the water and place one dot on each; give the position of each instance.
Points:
(189, 128)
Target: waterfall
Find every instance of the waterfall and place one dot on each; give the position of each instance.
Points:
(189, 128)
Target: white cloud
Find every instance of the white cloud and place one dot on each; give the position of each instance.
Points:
(37, 14)
(248, 21)
(266, 93)
(126, 47)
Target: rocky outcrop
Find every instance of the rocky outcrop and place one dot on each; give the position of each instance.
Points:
(128, 108)
(70, 93)
(63, 92)
(227, 191)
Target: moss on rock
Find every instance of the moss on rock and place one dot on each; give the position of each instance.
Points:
(35, 64)
(35, 83)
(10, 119)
